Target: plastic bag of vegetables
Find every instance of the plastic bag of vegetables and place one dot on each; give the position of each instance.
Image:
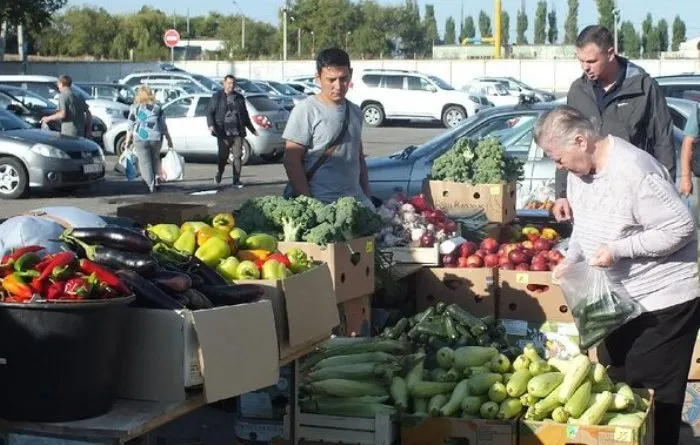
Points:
(598, 305)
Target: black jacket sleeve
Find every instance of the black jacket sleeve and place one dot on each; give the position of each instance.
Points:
(211, 110)
(660, 129)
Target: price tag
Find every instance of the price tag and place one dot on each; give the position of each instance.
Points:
(495, 190)
(522, 278)
(369, 247)
(623, 435)
(571, 431)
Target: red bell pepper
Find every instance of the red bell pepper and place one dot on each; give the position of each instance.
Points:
(281, 258)
(60, 259)
(103, 275)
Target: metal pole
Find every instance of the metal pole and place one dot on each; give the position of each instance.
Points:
(299, 43)
(284, 32)
(497, 29)
(172, 54)
(313, 44)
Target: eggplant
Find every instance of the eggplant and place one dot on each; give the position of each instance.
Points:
(114, 237)
(196, 279)
(232, 294)
(210, 276)
(142, 263)
(175, 281)
(197, 300)
(148, 295)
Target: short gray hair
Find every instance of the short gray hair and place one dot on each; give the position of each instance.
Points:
(562, 124)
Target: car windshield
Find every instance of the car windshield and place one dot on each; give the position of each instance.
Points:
(441, 83)
(248, 86)
(29, 99)
(9, 121)
(265, 87)
(284, 89)
(501, 89)
(207, 82)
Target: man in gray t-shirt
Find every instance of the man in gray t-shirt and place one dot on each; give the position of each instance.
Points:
(314, 124)
(73, 112)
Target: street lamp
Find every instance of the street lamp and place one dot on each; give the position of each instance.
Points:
(242, 24)
(347, 37)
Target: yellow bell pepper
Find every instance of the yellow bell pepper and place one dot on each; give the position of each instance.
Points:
(213, 251)
(187, 242)
(193, 226)
(165, 233)
(205, 233)
(223, 221)
(253, 255)
(550, 234)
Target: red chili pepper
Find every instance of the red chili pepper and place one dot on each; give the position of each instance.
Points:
(103, 275)
(16, 287)
(14, 256)
(76, 289)
(60, 259)
(56, 290)
(5, 259)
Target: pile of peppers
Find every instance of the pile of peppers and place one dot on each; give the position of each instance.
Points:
(28, 275)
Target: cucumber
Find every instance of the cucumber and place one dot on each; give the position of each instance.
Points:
(458, 394)
(509, 409)
(474, 324)
(517, 386)
(420, 406)
(436, 403)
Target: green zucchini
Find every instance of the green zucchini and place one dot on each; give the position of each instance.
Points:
(474, 324)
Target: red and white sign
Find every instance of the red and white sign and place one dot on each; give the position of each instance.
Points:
(171, 38)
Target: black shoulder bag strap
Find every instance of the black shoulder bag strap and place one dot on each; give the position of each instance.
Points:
(332, 146)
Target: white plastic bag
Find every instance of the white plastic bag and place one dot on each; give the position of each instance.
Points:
(598, 305)
(173, 166)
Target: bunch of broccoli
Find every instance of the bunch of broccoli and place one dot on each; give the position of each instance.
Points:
(472, 162)
(307, 219)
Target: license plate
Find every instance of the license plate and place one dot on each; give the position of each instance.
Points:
(92, 168)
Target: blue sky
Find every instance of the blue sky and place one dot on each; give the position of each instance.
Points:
(266, 10)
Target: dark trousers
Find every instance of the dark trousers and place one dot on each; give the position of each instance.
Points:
(231, 146)
(654, 351)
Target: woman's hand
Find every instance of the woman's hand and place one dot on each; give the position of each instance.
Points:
(603, 257)
(686, 187)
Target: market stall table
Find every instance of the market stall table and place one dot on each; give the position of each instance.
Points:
(127, 421)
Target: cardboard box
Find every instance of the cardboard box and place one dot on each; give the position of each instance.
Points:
(522, 298)
(160, 212)
(429, 256)
(304, 307)
(691, 407)
(695, 364)
(457, 199)
(351, 265)
(556, 339)
(442, 430)
(473, 290)
(549, 433)
(229, 350)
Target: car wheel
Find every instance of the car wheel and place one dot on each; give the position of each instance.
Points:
(373, 114)
(14, 180)
(272, 158)
(453, 116)
(119, 144)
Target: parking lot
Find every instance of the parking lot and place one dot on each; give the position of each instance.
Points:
(199, 187)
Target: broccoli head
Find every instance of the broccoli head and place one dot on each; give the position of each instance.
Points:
(256, 214)
(295, 218)
(355, 220)
(323, 212)
(323, 234)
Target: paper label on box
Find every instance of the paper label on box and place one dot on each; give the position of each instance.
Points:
(623, 435)
(369, 247)
(515, 327)
(522, 278)
(495, 190)
(571, 431)
(256, 405)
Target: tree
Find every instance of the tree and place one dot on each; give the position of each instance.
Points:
(629, 43)
(605, 13)
(571, 24)
(678, 33)
(521, 28)
(505, 27)
(430, 24)
(662, 29)
(484, 24)
(410, 32)
(541, 22)
(647, 38)
(468, 29)
(553, 32)
(33, 14)
(450, 36)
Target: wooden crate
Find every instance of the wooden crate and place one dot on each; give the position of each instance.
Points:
(429, 256)
(317, 429)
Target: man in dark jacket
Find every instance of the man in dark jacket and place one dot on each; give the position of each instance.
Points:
(227, 118)
(622, 99)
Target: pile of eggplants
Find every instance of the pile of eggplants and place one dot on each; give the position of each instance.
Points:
(158, 281)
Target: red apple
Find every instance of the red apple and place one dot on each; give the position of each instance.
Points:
(450, 226)
(517, 257)
(462, 262)
(539, 266)
(467, 249)
(508, 248)
(527, 245)
(475, 261)
(507, 266)
(426, 214)
(542, 245)
(529, 254)
(438, 215)
(481, 252)
(490, 245)
(533, 237)
(503, 260)
(449, 260)
(491, 260)
(522, 266)
(419, 202)
(427, 240)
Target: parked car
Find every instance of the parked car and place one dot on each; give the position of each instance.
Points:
(204, 82)
(308, 88)
(31, 108)
(686, 86)
(38, 159)
(45, 86)
(306, 79)
(398, 94)
(517, 87)
(280, 89)
(115, 92)
(496, 92)
(187, 123)
(405, 171)
(247, 86)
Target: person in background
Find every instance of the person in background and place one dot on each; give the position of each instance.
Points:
(323, 151)
(625, 101)
(631, 221)
(73, 112)
(690, 134)
(147, 127)
(228, 119)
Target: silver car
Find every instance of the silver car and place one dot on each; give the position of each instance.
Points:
(40, 159)
(279, 89)
(187, 122)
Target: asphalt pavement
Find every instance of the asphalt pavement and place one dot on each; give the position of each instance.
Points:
(198, 187)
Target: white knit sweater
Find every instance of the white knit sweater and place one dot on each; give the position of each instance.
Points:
(632, 206)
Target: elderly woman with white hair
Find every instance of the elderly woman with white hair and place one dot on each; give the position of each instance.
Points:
(629, 218)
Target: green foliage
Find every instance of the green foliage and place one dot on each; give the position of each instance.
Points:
(662, 29)
(354, 219)
(468, 29)
(630, 44)
(552, 32)
(650, 38)
(295, 219)
(484, 24)
(505, 27)
(541, 23)
(34, 14)
(472, 162)
(605, 13)
(521, 28)
(571, 24)
(430, 24)
(450, 37)
(678, 33)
